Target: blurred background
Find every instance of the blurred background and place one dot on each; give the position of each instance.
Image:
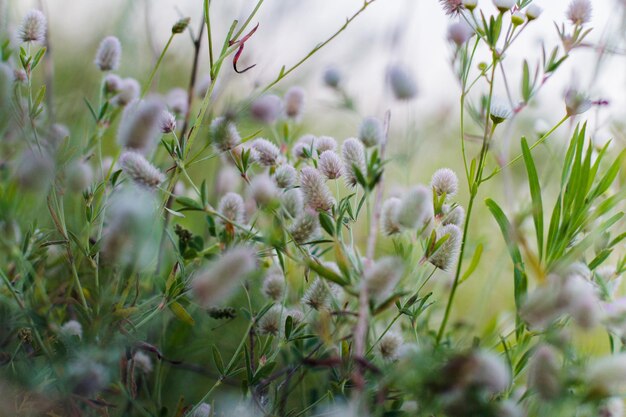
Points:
(424, 132)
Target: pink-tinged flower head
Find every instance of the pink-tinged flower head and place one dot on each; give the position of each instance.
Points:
(316, 194)
(109, 54)
(33, 28)
(452, 7)
(579, 12)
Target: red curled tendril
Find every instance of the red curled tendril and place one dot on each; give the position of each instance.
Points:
(241, 43)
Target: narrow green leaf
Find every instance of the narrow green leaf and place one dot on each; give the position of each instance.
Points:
(474, 263)
(535, 194)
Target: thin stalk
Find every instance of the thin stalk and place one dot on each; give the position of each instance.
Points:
(158, 64)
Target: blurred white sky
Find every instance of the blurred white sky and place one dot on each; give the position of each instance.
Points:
(290, 28)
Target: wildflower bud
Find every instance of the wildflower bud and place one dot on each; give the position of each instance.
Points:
(543, 372)
(296, 315)
(402, 83)
(607, 376)
(203, 410)
(330, 165)
(128, 92)
(389, 216)
(500, 111)
(272, 321)
(612, 407)
(285, 176)
(72, 328)
(518, 18)
(262, 189)
(383, 276)
(305, 227)
(35, 170)
(389, 346)
(332, 77)
(220, 278)
(452, 7)
(142, 362)
(533, 12)
(274, 285)
(504, 5)
(266, 108)
(19, 75)
(445, 181)
(140, 170)
(579, 12)
(371, 132)
(167, 122)
(181, 25)
(325, 143)
(33, 28)
(79, 175)
(460, 32)
(294, 102)
(112, 83)
(268, 153)
(453, 215)
(447, 255)
(223, 133)
(576, 102)
(415, 207)
(316, 194)
(470, 4)
(178, 101)
(232, 207)
(319, 294)
(292, 202)
(304, 147)
(109, 54)
(353, 154)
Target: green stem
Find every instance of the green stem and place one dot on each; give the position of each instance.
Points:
(158, 64)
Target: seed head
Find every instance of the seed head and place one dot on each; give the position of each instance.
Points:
(319, 295)
(109, 54)
(140, 170)
(232, 207)
(128, 92)
(579, 12)
(263, 189)
(353, 154)
(87, 375)
(268, 153)
(112, 83)
(181, 25)
(445, 181)
(294, 102)
(389, 216)
(168, 122)
(500, 111)
(389, 345)
(177, 101)
(305, 227)
(330, 165)
(292, 202)
(447, 255)
(533, 11)
(382, 277)
(452, 7)
(33, 28)
(332, 77)
(460, 32)
(223, 133)
(140, 126)
(504, 5)
(576, 102)
(371, 132)
(203, 410)
(285, 176)
(220, 278)
(274, 284)
(72, 328)
(79, 175)
(325, 143)
(402, 83)
(316, 194)
(415, 207)
(543, 372)
(266, 108)
(305, 147)
(272, 321)
(142, 362)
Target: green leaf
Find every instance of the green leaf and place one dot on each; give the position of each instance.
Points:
(526, 88)
(217, 358)
(327, 223)
(181, 314)
(189, 203)
(519, 273)
(535, 194)
(474, 263)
